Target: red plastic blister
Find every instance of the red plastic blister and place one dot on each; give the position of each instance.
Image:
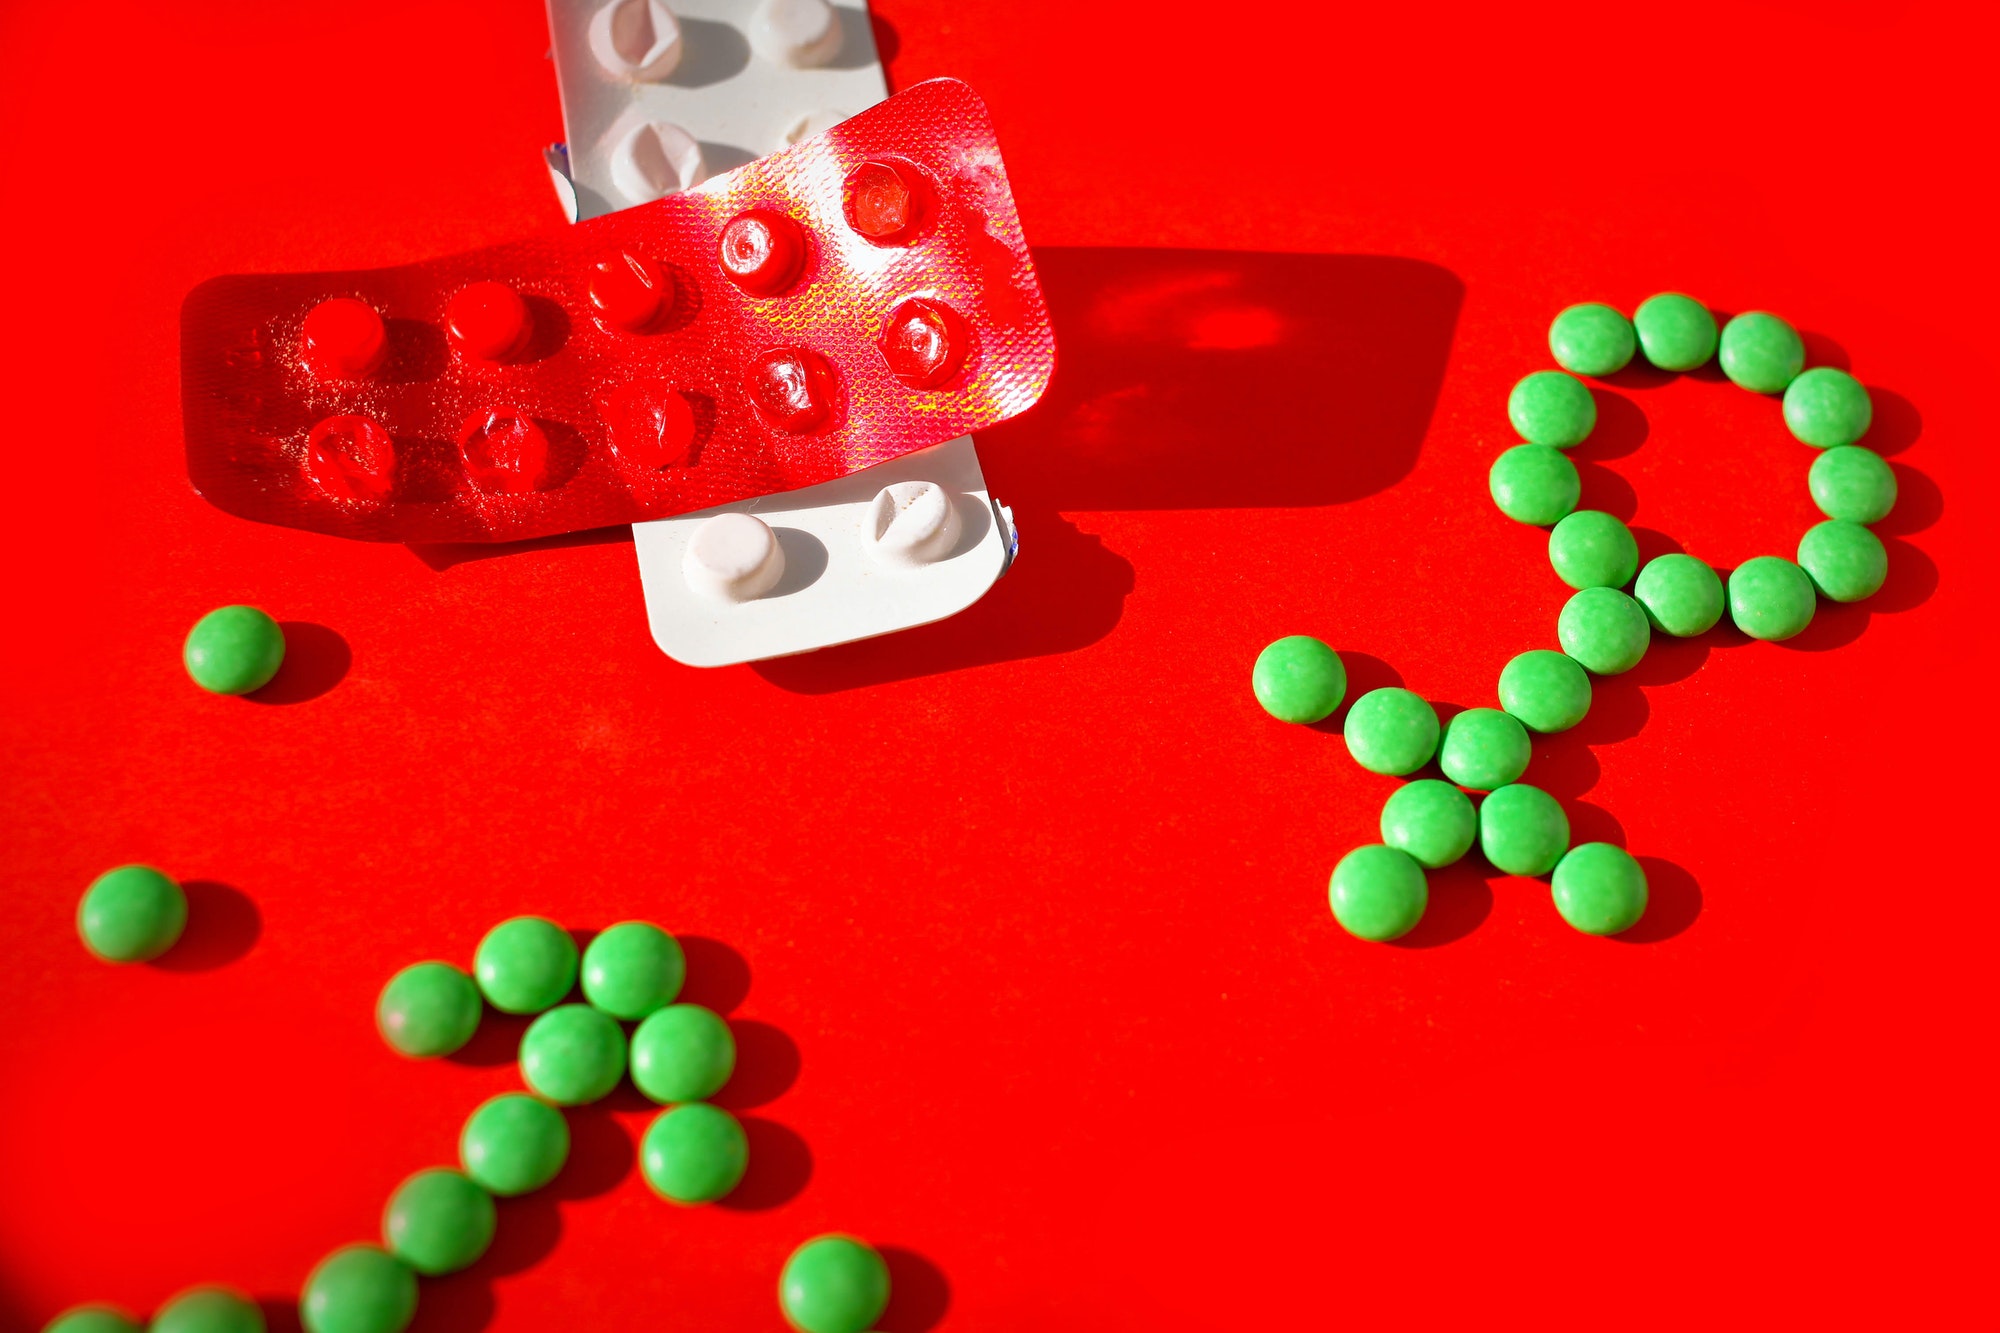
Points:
(859, 296)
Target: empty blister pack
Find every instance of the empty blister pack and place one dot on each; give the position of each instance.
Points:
(659, 95)
(859, 296)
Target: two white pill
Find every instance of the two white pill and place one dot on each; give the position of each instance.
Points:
(736, 557)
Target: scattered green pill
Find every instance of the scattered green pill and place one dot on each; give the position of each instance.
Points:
(633, 969)
(208, 1309)
(1591, 549)
(683, 1053)
(1532, 483)
(1827, 408)
(234, 650)
(1298, 679)
(438, 1221)
(1433, 822)
(1522, 830)
(1770, 598)
(834, 1284)
(573, 1054)
(1378, 892)
(428, 1009)
(1853, 483)
(1844, 560)
(1483, 748)
(1546, 690)
(1549, 407)
(1681, 595)
(1604, 630)
(1761, 352)
(694, 1153)
(93, 1318)
(359, 1289)
(525, 964)
(513, 1144)
(1676, 332)
(1591, 339)
(131, 915)
(1600, 889)
(1391, 731)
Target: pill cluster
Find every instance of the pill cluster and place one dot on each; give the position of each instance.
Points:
(658, 95)
(1378, 892)
(860, 296)
(442, 1219)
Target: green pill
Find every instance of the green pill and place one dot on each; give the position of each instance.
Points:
(438, 1222)
(359, 1289)
(1676, 332)
(131, 914)
(1549, 407)
(1591, 339)
(1298, 679)
(1522, 830)
(1600, 889)
(1761, 352)
(1604, 630)
(94, 1318)
(1770, 598)
(1391, 731)
(1827, 408)
(209, 1309)
(234, 650)
(513, 1144)
(1433, 822)
(1591, 549)
(526, 964)
(833, 1284)
(1547, 691)
(1483, 748)
(573, 1054)
(632, 969)
(1378, 892)
(1844, 560)
(427, 1010)
(1533, 483)
(694, 1153)
(1853, 483)
(683, 1053)
(1681, 595)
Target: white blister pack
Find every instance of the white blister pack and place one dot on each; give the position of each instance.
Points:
(659, 95)
(901, 544)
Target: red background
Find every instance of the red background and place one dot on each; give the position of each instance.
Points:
(1023, 915)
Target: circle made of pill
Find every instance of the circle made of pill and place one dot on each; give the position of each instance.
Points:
(1676, 332)
(208, 1309)
(572, 1055)
(1535, 484)
(359, 1289)
(1549, 407)
(1604, 630)
(131, 914)
(1391, 731)
(682, 1053)
(427, 1010)
(1432, 821)
(96, 1317)
(1546, 690)
(525, 964)
(1591, 549)
(694, 1153)
(1680, 595)
(1770, 598)
(234, 650)
(1761, 352)
(513, 1144)
(632, 969)
(1298, 679)
(833, 1284)
(438, 1221)
(1483, 748)
(1378, 892)
(1600, 889)
(1853, 483)
(1522, 829)
(1845, 561)
(1827, 408)
(1592, 339)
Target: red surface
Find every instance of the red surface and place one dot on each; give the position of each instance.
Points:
(1022, 916)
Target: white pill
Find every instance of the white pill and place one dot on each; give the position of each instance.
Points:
(636, 39)
(912, 523)
(733, 558)
(656, 159)
(805, 127)
(802, 33)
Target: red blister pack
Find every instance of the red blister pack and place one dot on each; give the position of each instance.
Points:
(859, 296)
